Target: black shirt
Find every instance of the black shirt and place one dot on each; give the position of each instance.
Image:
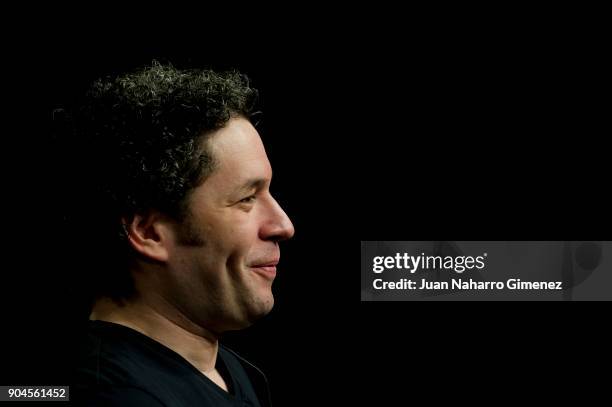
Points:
(118, 366)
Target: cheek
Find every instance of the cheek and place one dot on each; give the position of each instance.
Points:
(242, 240)
(228, 235)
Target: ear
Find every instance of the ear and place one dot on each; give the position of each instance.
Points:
(150, 235)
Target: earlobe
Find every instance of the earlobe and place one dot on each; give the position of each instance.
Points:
(148, 235)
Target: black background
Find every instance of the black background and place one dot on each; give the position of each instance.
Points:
(377, 128)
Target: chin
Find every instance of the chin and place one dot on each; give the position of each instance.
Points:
(260, 309)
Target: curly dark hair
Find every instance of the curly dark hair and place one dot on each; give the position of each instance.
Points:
(140, 140)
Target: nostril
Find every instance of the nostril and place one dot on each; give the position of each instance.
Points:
(588, 255)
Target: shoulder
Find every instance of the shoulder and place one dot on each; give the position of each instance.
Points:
(112, 356)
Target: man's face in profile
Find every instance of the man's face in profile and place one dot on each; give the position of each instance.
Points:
(224, 281)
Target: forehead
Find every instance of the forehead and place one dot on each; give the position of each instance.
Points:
(239, 154)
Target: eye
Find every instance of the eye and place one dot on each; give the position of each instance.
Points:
(248, 199)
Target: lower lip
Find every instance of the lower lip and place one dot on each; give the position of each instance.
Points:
(268, 272)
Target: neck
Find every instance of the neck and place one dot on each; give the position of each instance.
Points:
(163, 323)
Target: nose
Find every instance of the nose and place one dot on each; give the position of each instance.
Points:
(278, 226)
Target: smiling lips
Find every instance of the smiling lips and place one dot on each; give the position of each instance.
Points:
(266, 269)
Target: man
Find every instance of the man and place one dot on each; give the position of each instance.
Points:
(193, 238)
